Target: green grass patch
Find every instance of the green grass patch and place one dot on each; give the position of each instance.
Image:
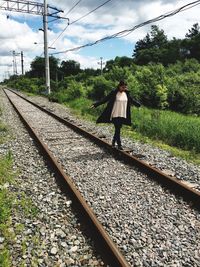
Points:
(5, 260)
(3, 130)
(3, 127)
(190, 156)
(82, 107)
(26, 206)
(6, 204)
(172, 128)
(11, 203)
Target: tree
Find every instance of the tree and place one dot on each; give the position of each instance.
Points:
(123, 61)
(119, 62)
(109, 65)
(117, 73)
(70, 67)
(184, 94)
(191, 44)
(153, 48)
(193, 32)
(100, 87)
(174, 52)
(38, 67)
(151, 83)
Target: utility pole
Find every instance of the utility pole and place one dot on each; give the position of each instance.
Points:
(35, 8)
(101, 63)
(14, 63)
(46, 53)
(22, 62)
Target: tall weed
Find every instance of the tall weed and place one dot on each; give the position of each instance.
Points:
(173, 128)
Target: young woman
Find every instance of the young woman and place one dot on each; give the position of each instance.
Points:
(117, 110)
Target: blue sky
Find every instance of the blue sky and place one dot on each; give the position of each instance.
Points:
(109, 49)
(21, 30)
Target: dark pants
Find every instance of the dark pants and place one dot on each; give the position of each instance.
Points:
(118, 125)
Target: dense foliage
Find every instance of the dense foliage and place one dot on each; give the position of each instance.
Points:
(175, 87)
(156, 47)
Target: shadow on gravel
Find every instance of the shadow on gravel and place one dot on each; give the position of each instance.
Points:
(91, 157)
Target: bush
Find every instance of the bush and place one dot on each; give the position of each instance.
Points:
(117, 74)
(101, 87)
(73, 91)
(133, 87)
(184, 93)
(151, 83)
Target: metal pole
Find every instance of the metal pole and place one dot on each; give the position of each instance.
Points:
(101, 64)
(13, 63)
(46, 54)
(22, 62)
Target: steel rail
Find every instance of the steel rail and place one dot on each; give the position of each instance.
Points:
(108, 250)
(173, 184)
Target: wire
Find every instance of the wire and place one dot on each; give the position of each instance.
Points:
(60, 34)
(90, 12)
(126, 32)
(73, 7)
(67, 24)
(78, 20)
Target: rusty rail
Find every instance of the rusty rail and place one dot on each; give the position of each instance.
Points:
(110, 253)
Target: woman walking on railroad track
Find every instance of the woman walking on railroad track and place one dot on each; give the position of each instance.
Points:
(117, 110)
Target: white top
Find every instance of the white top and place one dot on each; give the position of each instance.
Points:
(120, 105)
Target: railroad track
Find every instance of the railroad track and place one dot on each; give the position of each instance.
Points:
(55, 135)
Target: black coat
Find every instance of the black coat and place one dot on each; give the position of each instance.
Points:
(106, 114)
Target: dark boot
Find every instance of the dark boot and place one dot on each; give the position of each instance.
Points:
(119, 145)
(113, 143)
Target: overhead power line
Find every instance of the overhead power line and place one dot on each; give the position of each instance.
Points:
(89, 12)
(73, 7)
(128, 31)
(78, 20)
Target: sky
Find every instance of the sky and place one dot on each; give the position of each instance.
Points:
(19, 31)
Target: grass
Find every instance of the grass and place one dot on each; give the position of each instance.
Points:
(26, 206)
(82, 107)
(11, 203)
(3, 130)
(6, 203)
(188, 155)
(174, 129)
(5, 260)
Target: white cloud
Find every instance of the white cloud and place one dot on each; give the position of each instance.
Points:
(117, 15)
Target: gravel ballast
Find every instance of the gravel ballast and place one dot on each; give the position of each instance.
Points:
(150, 225)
